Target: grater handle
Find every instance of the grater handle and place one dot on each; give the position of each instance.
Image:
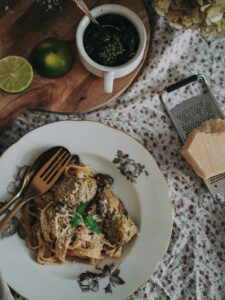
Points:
(181, 83)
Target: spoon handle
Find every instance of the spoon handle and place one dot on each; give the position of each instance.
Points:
(9, 203)
(8, 217)
(84, 8)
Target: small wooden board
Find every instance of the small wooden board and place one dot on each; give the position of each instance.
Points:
(23, 24)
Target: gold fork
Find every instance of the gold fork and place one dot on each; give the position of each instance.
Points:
(42, 181)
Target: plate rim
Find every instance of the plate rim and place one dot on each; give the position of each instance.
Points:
(148, 152)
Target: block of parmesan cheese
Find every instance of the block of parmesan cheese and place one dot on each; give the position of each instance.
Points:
(204, 148)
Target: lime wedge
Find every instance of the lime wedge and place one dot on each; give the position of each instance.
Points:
(16, 74)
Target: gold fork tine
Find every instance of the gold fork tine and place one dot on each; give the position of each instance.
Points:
(59, 170)
(45, 173)
(48, 163)
(58, 166)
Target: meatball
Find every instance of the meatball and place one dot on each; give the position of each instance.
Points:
(104, 180)
(119, 229)
(108, 204)
(73, 191)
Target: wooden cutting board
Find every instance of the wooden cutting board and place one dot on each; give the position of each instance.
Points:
(23, 24)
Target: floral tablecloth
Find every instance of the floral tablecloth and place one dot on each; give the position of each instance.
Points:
(194, 265)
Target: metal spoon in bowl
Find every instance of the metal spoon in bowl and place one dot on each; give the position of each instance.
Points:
(84, 8)
(81, 4)
(32, 170)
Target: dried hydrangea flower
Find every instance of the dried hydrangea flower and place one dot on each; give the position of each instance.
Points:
(206, 15)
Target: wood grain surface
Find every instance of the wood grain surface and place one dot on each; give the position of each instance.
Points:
(24, 26)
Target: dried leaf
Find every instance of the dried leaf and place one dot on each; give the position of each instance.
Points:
(85, 288)
(12, 188)
(116, 280)
(116, 160)
(87, 275)
(107, 269)
(116, 272)
(95, 286)
(10, 228)
(120, 154)
(89, 281)
(22, 171)
(108, 289)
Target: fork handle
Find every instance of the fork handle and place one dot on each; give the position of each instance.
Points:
(8, 217)
(9, 203)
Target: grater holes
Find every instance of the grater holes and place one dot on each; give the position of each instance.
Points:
(216, 179)
(194, 114)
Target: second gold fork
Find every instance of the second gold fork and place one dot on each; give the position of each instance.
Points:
(42, 181)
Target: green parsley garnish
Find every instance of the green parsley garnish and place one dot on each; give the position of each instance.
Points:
(81, 208)
(76, 220)
(88, 220)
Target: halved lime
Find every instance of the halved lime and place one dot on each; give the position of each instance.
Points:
(16, 74)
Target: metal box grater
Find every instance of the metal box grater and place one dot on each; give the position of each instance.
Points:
(191, 113)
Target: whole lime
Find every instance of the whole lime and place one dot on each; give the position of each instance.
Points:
(52, 58)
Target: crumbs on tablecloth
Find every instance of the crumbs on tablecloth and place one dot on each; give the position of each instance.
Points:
(50, 5)
(47, 5)
(6, 8)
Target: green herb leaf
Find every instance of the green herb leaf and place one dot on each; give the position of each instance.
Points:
(81, 208)
(92, 224)
(76, 220)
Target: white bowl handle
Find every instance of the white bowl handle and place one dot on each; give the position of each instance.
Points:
(108, 82)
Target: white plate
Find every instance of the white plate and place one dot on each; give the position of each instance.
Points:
(146, 200)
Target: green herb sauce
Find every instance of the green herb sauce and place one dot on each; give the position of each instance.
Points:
(109, 46)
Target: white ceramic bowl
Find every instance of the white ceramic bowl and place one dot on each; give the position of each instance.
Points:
(109, 73)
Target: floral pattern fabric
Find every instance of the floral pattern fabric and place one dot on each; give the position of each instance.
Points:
(194, 265)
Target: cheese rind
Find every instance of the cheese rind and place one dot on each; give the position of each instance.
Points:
(204, 148)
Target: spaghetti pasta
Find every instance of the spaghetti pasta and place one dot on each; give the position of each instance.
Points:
(79, 219)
